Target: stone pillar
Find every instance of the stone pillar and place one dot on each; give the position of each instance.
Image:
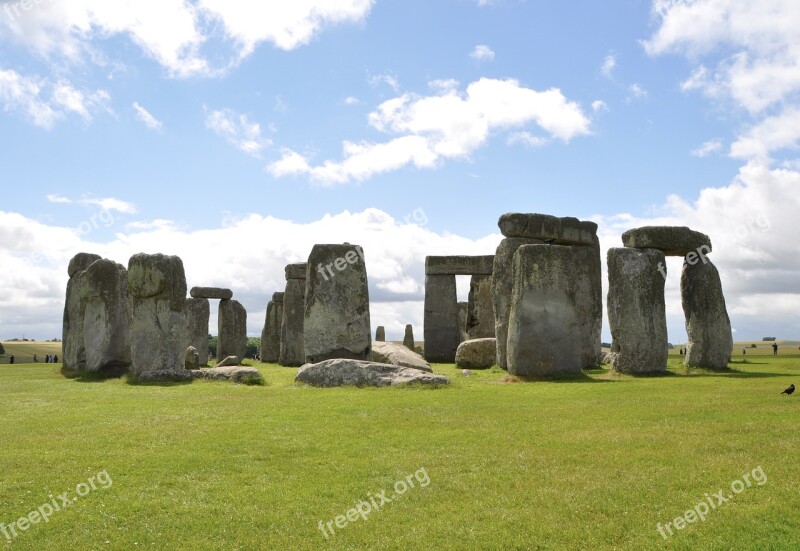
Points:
(442, 335)
(463, 313)
(198, 311)
(73, 350)
(232, 330)
(292, 353)
(157, 295)
(105, 326)
(589, 296)
(480, 312)
(271, 335)
(636, 310)
(408, 338)
(544, 329)
(380, 334)
(707, 322)
(337, 321)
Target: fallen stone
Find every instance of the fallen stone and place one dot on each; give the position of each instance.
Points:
(347, 372)
(236, 373)
(671, 240)
(211, 292)
(477, 353)
(168, 376)
(466, 373)
(564, 231)
(398, 354)
(229, 361)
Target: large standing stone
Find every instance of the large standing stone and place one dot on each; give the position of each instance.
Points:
(292, 353)
(707, 322)
(636, 311)
(337, 322)
(232, 329)
(502, 284)
(271, 335)
(73, 350)
(672, 240)
(157, 295)
(105, 323)
(198, 311)
(480, 312)
(408, 338)
(442, 335)
(380, 334)
(588, 279)
(544, 330)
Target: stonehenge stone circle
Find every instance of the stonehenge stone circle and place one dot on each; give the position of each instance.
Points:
(157, 294)
(380, 334)
(73, 351)
(336, 318)
(671, 240)
(408, 337)
(292, 353)
(232, 329)
(271, 335)
(707, 322)
(477, 353)
(636, 310)
(443, 330)
(197, 311)
(105, 324)
(211, 292)
(544, 329)
(480, 312)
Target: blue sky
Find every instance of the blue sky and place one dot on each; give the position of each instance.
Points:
(238, 134)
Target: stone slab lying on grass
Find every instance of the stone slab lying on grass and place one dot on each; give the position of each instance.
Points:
(397, 354)
(229, 360)
(237, 373)
(477, 353)
(345, 372)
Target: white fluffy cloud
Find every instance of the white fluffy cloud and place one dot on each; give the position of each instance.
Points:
(173, 32)
(451, 124)
(609, 64)
(105, 203)
(44, 102)
(240, 131)
(482, 52)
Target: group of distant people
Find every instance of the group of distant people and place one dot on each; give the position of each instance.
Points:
(48, 359)
(682, 351)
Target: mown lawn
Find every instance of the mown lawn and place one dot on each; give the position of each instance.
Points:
(593, 462)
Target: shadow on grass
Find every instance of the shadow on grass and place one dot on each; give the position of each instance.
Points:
(571, 378)
(727, 372)
(91, 377)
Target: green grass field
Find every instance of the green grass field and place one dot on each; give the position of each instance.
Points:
(591, 462)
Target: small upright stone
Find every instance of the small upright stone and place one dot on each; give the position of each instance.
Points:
(380, 334)
(232, 329)
(408, 338)
(271, 335)
(336, 321)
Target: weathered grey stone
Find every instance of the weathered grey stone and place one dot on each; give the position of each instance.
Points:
(480, 312)
(165, 376)
(672, 240)
(229, 361)
(408, 338)
(211, 292)
(459, 265)
(544, 331)
(636, 311)
(502, 284)
(232, 329)
(105, 323)
(397, 354)
(271, 335)
(336, 322)
(588, 281)
(292, 353)
(197, 312)
(463, 313)
(157, 295)
(477, 353)
(348, 372)
(296, 271)
(380, 333)
(191, 358)
(73, 350)
(565, 231)
(707, 322)
(441, 327)
(236, 373)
